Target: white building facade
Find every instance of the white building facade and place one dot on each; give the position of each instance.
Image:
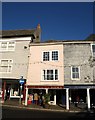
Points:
(14, 51)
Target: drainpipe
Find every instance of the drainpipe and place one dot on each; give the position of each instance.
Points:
(88, 98)
(67, 98)
(55, 97)
(3, 94)
(26, 96)
(24, 93)
(46, 91)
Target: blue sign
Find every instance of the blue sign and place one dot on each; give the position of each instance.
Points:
(21, 81)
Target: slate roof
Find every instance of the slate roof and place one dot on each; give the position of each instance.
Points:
(91, 37)
(16, 33)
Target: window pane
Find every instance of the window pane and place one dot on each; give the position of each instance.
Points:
(4, 62)
(3, 69)
(11, 45)
(74, 75)
(9, 69)
(73, 69)
(93, 48)
(76, 69)
(54, 55)
(7, 46)
(3, 44)
(6, 66)
(77, 75)
(45, 56)
(56, 71)
(44, 74)
(56, 74)
(75, 72)
(49, 74)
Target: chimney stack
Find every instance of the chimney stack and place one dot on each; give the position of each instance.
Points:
(38, 26)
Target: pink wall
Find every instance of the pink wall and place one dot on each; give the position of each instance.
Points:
(36, 64)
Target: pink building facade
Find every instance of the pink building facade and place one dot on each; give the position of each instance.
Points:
(45, 69)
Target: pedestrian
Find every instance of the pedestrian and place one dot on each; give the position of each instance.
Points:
(5, 97)
(36, 98)
(40, 100)
(43, 101)
(31, 98)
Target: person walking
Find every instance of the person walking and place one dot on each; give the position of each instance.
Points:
(43, 101)
(36, 98)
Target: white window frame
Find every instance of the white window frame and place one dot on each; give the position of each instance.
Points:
(7, 46)
(1, 43)
(58, 54)
(72, 73)
(42, 75)
(8, 65)
(50, 55)
(43, 55)
(92, 50)
(13, 45)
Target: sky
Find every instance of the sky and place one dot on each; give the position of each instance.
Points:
(58, 20)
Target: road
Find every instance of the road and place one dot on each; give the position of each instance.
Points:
(8, 112)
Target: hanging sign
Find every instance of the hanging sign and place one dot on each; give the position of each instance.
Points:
(21, 81)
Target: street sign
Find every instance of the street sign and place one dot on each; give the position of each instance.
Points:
(21, 81)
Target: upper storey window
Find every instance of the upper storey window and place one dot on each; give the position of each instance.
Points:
(75, 72)
(3, 45)
(46, 56)
(7, 46)
(54, 55)
(93, 50)
(50, 74)
(50, 56)
(6, 66)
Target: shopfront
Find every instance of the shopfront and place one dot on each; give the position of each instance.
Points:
(82, 94)
(51, 91)
(11, 89)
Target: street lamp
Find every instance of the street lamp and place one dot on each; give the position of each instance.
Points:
(21, 81)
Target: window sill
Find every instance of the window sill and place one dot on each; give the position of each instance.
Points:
(49, 81)
(75, 79)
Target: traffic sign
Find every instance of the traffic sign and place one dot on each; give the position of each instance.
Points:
(21, 81)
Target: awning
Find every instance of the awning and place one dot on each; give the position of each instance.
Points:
(79, 86)
(43, 87)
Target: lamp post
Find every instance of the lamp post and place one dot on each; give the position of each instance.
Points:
(21, 81)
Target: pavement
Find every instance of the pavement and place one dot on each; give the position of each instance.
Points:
(60, 107)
